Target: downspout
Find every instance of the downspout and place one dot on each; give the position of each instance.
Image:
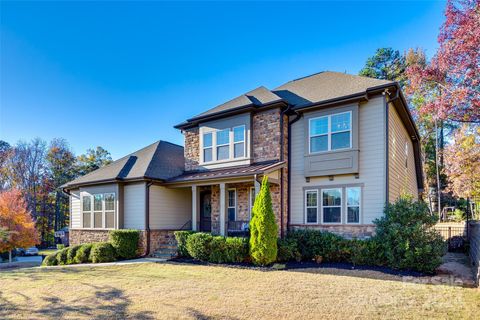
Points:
(289, 200)
(147, 216)
(387, 140)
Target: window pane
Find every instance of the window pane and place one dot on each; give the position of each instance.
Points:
(97, 202)
(223, 137)
(109, 220)
(331, 215)
(341, 140)
(341, 122)
(353, 196)
(87, 203)
(239, 150)
(223, 152)
(353, 214)
(87, 220)
(231, 198)
(319, 143)
(332, 197)
(231, 214)
(311, 215)
(207, 155)
(97, 217)
(110, 201)
(207, 140)
(239, 134)
(319, 126)
(311, 199)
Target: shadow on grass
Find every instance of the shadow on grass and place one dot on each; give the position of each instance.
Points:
(105, 302)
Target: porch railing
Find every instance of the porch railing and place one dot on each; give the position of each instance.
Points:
(238, 228)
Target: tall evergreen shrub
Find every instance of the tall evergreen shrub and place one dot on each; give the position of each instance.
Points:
(263, 228)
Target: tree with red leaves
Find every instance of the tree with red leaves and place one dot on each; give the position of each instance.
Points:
(17, 221)
(450, 83)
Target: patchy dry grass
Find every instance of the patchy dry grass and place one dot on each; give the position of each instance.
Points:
(166, 291)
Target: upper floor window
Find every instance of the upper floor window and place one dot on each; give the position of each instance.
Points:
(224, 144)
(331, 132)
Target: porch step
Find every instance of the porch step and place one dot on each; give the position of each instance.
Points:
(166, 252)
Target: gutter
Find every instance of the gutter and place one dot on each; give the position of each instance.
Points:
(289, 200)
(147, 216)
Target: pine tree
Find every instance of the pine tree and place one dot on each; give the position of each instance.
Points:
(263, 228)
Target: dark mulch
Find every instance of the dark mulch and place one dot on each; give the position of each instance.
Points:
(293, 265)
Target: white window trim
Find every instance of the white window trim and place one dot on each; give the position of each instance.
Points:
(229, 145)
(228, 204)
(92, 211)
(307, 207)
(341, 205)
(203, 147)
(252, 192)
(329, 133)
(359, 205)
(237, 142)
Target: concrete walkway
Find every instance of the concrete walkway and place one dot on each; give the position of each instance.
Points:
(458, 266)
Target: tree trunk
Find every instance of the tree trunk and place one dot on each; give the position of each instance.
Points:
(439, 196)
(57, 211)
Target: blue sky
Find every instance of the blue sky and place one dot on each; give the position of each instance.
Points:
(121, 74)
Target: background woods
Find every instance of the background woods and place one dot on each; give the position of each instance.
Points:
(38, 170)
(444, 98)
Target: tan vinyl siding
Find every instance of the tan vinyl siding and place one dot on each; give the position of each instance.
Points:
(134, 206)
(402, 176)
(169, 208)
(371, 165)
(75, 210)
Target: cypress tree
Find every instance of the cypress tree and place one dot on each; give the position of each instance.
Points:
(263, 228)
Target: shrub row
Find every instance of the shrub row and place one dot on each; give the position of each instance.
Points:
(122, 244)
(216, 249)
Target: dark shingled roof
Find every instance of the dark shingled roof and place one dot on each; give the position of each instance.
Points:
(159, 161)
(230, 172)
(316, 88)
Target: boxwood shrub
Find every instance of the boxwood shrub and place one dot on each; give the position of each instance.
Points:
(181, 237)
(71, 252)
(198, 245)
(125, 242)
(50, 260)
(217, 249)
(102, 252)
(61, 257)
(236, 249)
(83, 253)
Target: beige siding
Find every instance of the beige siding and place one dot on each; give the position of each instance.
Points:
(402, 176)
(371, 165)
(75, 213)
(169, 208)
(134, 206)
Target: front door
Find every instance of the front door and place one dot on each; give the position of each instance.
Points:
(206, 211)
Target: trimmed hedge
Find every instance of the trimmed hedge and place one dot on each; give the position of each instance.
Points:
(216, 249)
(102, 252)
(61, 257)
(125, 242)
(83, 253)
(50, 260)
(71, 253)
(181, 237)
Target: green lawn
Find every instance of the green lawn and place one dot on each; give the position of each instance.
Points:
(171, 291)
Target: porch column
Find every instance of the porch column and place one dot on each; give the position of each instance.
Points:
(256, 184)
(222, 209)
(194, 208)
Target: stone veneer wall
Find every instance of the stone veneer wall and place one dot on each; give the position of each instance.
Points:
(347, 231)
(79, 236)
(266, 135)
(474, 239)
(192, 149)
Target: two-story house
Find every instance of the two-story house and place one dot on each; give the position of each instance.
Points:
(335, 147)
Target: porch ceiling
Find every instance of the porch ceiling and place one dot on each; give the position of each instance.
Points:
(227, 173)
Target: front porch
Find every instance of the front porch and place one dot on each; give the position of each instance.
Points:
(222, 200)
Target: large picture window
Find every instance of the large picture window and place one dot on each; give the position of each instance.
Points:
(311, 206)
(232, 204)
(331, 132)
(100, 215)
(332, 205)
